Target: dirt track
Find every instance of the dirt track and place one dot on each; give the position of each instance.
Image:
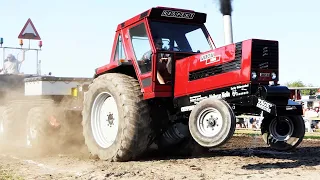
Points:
(233, 161)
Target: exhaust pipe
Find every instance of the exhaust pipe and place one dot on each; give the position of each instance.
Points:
(228, 36)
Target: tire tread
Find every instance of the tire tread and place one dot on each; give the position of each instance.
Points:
(136, 129)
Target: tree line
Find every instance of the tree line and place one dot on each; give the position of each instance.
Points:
(301, 84)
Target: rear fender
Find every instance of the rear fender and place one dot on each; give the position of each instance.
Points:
(291, 109)
(122, 69)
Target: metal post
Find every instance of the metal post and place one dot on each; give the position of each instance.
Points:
(3, 56)
(38, 63)
(40, 67)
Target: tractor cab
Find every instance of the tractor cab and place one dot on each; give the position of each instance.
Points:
(162, 38)
(173, 41)
(153, 41)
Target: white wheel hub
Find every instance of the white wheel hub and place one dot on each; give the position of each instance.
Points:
(104, 120)
(209, 122)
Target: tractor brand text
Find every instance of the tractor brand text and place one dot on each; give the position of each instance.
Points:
(178, 14)
(210, 58)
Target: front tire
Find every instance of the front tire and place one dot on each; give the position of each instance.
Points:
(284, 133)
(114, 111)
(212, 122)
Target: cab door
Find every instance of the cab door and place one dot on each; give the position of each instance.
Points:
(138, 44)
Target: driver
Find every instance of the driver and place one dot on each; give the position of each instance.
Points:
(11, 65)
(164, 63)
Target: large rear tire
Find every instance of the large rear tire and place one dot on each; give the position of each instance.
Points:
(283, 134)
(121, 131)
(212, 122)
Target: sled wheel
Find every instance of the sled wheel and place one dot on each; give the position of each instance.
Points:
(42, 133)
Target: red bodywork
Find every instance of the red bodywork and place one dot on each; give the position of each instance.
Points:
(226, 54)
(183, 66)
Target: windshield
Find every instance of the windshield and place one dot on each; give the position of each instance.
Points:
(181, 37)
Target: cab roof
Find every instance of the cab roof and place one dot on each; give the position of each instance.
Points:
(167, 14)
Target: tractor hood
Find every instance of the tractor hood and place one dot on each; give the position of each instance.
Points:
(217, 61)
(216, 57)
(201, 71)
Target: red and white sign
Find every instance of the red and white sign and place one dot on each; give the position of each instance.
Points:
(210, 58)
(29, 31)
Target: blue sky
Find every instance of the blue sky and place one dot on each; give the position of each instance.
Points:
(77, 35)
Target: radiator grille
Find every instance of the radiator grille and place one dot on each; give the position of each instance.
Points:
(265, 54)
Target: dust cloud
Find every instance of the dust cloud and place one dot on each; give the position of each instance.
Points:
(59, 135)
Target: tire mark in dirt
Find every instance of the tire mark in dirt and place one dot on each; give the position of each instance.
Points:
(47, 168)
(236, 160)
(30, 162)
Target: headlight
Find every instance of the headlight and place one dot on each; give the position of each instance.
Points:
(253, 75)
(273, 75)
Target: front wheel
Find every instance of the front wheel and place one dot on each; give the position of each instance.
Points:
(283, 133)
(212, 122)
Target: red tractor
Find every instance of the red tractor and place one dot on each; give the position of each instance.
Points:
(168, 84)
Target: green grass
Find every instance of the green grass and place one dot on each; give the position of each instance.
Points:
(8, 175)
(249, 132)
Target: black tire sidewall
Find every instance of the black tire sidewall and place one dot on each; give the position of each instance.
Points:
(298, 132)
(228, 124)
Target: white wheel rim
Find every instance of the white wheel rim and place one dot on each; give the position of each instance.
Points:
(209, 122)
(104, 120)
(32, 134)
(280, 136)
(1, 128)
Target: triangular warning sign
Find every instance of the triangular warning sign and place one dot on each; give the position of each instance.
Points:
(29, 31)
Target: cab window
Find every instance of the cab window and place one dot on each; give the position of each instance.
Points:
(119, 53)
(141, 47)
